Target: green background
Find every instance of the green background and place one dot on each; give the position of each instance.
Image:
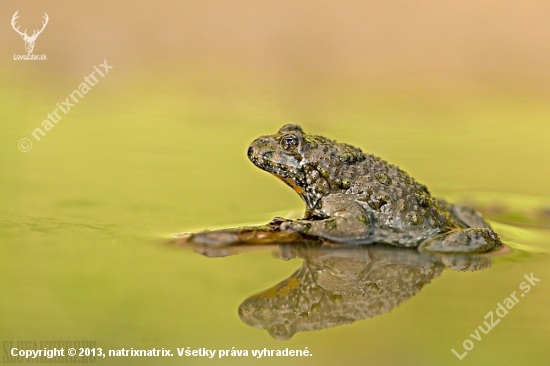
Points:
(457, 95)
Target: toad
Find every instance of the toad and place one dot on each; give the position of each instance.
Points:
(353, 197)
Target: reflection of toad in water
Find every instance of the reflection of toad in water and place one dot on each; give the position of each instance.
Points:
(337, 286)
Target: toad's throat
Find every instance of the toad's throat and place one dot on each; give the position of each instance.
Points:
(293, 184)
(311, 202)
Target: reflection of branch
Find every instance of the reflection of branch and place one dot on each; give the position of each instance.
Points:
(230, 241)
(224, 242)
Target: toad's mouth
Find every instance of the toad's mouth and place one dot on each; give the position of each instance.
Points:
(264, 162)
(260, 160)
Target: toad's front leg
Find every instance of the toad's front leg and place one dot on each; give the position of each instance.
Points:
(342, 220)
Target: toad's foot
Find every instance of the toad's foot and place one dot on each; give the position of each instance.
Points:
(473, 240)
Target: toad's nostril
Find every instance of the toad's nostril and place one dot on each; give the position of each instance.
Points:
(250, 151)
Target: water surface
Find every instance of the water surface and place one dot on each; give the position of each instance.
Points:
(85, 213)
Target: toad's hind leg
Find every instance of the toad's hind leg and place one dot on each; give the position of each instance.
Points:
(466, 216)
(471, 240)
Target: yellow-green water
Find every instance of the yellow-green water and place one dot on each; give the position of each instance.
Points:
(138, 158)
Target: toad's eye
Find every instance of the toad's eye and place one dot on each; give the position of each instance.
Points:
(290, 143)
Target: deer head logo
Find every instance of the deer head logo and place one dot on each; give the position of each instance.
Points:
(29, 40)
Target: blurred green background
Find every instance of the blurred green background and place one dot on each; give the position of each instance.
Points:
(455, 93)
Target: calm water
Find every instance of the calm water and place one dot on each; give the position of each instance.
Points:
(86, 213)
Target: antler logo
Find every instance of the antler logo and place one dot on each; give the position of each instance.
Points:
(29, 40)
